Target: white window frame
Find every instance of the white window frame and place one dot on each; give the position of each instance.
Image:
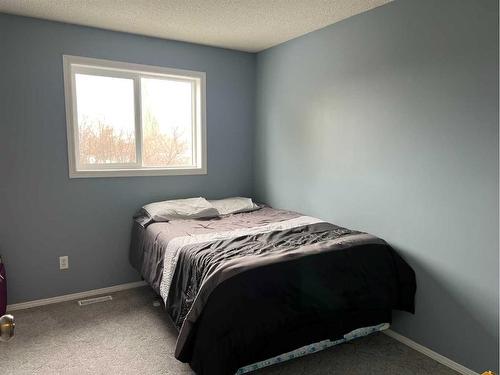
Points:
(73, 65)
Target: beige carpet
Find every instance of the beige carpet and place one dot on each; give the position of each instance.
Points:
(130, 336)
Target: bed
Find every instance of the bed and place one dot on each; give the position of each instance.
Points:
(244, 289)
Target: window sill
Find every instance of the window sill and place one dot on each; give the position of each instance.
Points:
(142, 172)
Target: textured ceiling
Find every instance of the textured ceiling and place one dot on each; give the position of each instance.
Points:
(247, 25)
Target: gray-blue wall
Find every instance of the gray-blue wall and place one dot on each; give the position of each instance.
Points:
(44, 214)
(387, 122)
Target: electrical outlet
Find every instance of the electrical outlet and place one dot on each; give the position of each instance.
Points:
(63, 263)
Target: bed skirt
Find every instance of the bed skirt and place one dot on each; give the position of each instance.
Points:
(313, 348)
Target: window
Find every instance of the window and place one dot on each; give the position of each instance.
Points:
(133, 120)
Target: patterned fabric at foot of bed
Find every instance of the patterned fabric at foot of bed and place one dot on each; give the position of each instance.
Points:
(313, 348)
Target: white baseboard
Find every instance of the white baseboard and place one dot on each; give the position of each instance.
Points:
(430, 353)
(73, 296)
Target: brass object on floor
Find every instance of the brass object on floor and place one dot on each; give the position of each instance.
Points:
(7, 326)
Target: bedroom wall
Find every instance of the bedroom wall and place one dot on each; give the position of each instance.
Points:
(387, 122)
(44, 213)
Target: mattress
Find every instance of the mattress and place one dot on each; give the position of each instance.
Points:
(232, 282)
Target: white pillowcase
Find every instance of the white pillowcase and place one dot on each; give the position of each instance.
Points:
(190, 208)
(234, 205)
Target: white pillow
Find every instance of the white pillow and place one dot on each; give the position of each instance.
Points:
(234, 205)
(190, 208)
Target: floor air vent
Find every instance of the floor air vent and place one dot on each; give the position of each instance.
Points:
(90, 301)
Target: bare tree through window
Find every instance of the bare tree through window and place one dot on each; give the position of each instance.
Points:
(100, 143)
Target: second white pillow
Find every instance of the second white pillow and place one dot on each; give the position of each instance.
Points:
(234, 205)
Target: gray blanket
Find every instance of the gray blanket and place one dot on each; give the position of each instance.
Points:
(150, 240)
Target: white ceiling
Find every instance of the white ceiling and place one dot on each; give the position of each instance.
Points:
(247, 25)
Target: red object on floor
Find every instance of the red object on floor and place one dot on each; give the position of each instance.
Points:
(3, 289)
